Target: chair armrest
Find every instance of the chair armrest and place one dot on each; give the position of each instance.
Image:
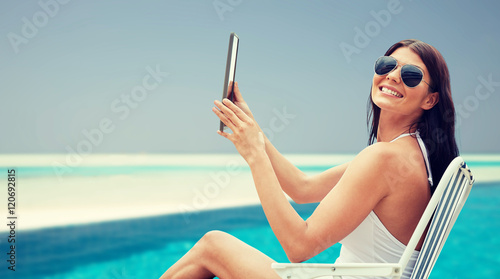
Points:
(307, 270)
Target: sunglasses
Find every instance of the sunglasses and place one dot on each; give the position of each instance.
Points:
(410, 74)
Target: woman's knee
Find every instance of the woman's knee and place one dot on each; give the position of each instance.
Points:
(214, 239)
(211, 248)
(215, 244)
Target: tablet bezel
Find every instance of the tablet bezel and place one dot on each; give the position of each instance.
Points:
(232, 58)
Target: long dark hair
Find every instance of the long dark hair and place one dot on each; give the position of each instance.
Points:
(437, 125)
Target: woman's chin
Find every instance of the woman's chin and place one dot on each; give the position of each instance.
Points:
(384, 103)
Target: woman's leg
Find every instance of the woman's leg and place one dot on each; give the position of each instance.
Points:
(222, 255)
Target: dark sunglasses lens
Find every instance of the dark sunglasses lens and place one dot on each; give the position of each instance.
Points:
(384, 65)
(411, 75)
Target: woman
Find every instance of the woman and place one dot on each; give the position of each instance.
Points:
(371, 204)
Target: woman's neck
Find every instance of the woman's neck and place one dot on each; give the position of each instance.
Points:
(391, 126)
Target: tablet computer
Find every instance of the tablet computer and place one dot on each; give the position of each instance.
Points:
(232, 55)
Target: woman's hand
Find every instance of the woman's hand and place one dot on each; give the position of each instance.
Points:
(247, 136)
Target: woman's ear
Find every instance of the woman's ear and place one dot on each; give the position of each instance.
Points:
(430, 101)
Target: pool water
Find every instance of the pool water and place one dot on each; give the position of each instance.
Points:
(146, 247)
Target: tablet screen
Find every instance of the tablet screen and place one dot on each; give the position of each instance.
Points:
(232, 55)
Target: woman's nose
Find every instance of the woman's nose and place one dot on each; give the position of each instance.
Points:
(395, 75)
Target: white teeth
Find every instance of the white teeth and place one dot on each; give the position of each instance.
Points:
(386, 90)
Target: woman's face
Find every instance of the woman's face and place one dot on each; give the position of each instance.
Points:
(389, 92)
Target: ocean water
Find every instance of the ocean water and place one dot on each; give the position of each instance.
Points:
(53, 241)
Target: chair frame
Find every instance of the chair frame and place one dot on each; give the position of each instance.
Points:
(444, 207)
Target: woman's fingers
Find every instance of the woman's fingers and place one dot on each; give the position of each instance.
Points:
(240, 102)
(224, 134)
(228, 113)
(237, 111)
(237, 93)
(223, 117)
(232, 112)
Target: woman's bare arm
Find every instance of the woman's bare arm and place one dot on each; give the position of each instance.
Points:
(295, 183)
(299, 186)
(357, 193)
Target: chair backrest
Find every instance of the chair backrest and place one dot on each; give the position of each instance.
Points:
(444, 207)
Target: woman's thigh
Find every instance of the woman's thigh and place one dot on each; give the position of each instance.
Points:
(229, 257)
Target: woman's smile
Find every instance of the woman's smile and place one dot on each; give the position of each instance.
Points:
(391, 91)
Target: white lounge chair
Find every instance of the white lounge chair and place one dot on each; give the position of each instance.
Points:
(443, 208)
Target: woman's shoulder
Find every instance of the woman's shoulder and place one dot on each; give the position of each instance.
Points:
(371, 170)
(375, 159)
(389, 157)
(380, 151)
(399, 163)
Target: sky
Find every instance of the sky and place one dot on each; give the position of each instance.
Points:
(141, 76)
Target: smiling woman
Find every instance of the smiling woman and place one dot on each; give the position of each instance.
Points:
(391, 91)
(434, 112)
(372, 204)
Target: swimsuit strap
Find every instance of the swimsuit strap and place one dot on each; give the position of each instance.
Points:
(403, 135)
(424, 152)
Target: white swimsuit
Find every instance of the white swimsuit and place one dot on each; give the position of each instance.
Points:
(371, 242)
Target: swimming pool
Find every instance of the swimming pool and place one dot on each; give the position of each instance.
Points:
(146, 247)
